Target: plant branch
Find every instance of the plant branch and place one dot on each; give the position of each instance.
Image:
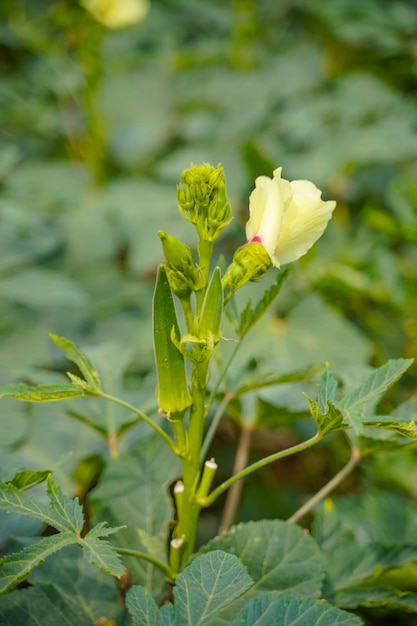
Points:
(354, 460)
(165, 569)
(205, 502)
(142, 416)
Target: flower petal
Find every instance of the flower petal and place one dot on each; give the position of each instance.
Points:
(267, 204)
(305, 220)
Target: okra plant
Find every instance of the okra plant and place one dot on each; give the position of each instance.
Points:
(263, 571)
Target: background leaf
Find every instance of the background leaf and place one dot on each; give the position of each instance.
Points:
(286, 609)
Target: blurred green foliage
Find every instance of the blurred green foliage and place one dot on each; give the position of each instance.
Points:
(95, 129)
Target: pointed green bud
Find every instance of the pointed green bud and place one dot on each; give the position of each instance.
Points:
(219, 213)
(186, 203)
(172, 392)
(211, 313)
(183, 275)
(250, 262)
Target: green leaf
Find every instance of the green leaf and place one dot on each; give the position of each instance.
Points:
(326, 416)
(366, 541)
(330, 421)
(327, 388)
(405, 429)
(362, 401)
(41, 393)
(278, 556)
(64, 514)
(86, 367)
(289, 610)
(172, 392)
(41, 606)
(142, 607)
(207, 585)
(65, 590)
(26, 479)
(250, 316)
(14, 501)
(383, 597)
(100, 553)
(358, 407)
(15, 567)
(402, 420)
(68, 512)
(211, 582)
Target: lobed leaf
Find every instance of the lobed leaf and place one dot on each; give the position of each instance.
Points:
(26, 479)
(86, 367)
(278, 556)
(14, 501)
(363, 400)
(66, 591)
(327, 388)
(404, 428)
(15, 567)
(68, 512)
(41, 393)
(210, 583)
(100, 553)
(331, 420)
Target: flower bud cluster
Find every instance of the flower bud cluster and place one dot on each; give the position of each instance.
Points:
(202, 199)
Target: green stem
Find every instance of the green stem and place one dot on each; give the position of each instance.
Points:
(354, 460)
(177, 425)
(142, 416)
(188, 519)
(145, 557)
(205, 502)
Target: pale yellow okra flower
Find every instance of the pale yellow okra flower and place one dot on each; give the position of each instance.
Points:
(117, 13)
(286, 217)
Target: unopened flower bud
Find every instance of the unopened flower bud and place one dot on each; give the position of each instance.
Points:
(183, 276)
(219, 213)
(250, 262)
(186, 203)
